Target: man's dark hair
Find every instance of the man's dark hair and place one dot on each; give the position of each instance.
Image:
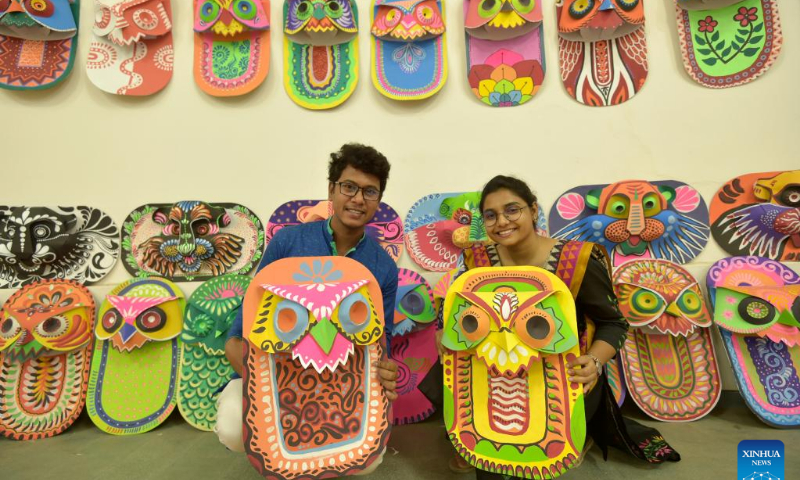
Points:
(514, 184)
(360, 157)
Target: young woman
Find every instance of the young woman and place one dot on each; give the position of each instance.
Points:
(509, 212)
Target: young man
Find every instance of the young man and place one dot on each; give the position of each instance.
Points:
(357, 177)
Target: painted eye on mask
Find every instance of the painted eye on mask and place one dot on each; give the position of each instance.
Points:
(393, 17)
(304, 10)
(334, 10)
(53, 326)
(790, 196)
(580, 8)
(618, 207)
(627, 5)
(39, 8)
(474, 324)
(151, 320)
(290, 321)
(535, 327)
(209, 11)
(756, 311)
(796, 309)
(425, 14)
(111, 321)
(523, 6)
(464, 217)
(651, 205)
(412, 303)
(9, 328)
(489, 8)
(689, 302)
(354, 313)
(644, 302)
(246, 10)
(41, 231)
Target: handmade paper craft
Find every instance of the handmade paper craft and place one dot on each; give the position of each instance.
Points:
(409, 48)
(131, 51)
(38, 39)
(508, 405)
(413, 346)
(726, 43)
(137, 353)
(440, 226)
(204, 369)
(635, 219)
(320, 51)
(505, 54)
(45, 352)
(73, 243)
(231, 45)
(385, 227)
(602, 49)
(757, 309)
(759, 214)
(191, 240)
(670, 368)
(313, 405)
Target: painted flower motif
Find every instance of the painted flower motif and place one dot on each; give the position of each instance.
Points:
(745, 16)
(506, 79)
(317, 273)
(203, 325)
(708, 24)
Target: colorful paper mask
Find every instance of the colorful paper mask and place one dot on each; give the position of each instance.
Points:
(386, 228)
(74, 243)
(413, 346)
(135, 370)
(726, 43)
(669, 362)
(320, 51)
(440, 226)
(204, 369)
(45, 351)
(131, 51)
(38, 39)
(508, 406)
(313, 405)
(759, 214)
(635, 219)
(191, 240)
(231, 45)
(505, 54)
(602, 49)
(409, 49)
(757, 309)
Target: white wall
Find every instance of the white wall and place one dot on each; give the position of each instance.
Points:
(78, 145)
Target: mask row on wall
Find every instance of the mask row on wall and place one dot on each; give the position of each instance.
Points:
(602, 46)
(753, 214)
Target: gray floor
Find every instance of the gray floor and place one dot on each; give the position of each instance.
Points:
(176, 450)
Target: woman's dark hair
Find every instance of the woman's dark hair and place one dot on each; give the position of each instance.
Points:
(360, 157)
(513, 184)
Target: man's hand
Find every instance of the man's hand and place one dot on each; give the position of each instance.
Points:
(387, 373)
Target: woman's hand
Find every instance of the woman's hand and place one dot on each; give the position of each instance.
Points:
(587, 373)
(387, 374)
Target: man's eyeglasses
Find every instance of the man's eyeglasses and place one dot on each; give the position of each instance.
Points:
(351, 190)
(511, 212)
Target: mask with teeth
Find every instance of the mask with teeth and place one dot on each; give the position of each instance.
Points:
(314, 329)
(511, 332)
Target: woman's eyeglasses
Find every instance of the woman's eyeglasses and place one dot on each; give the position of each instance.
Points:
(351, 190)
(511, 212)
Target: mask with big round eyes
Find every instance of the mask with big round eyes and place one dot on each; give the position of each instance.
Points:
(473, 325)
(535, 327)
(39, 8)
(290, 321)
(790, 196)
(354, 313)
(151, 320)
(743, 313)
(416, 304)
(580, 8)
(10, 330)
(111, 321)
